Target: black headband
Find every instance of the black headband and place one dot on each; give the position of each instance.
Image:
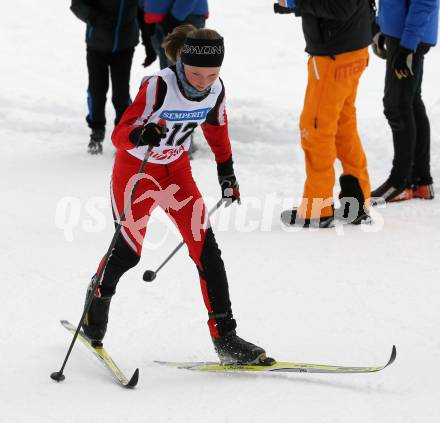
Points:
(203, 53)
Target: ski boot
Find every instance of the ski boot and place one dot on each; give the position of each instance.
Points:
(388, 193)
(424, 192)
(96, 140)
(231, 349)
(96, 318)
(290, 218)
(406, 194)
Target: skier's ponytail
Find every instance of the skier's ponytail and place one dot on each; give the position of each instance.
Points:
(175, 41)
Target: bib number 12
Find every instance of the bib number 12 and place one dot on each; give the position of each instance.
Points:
(180, 133)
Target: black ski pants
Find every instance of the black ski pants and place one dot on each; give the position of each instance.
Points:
(100, 65)
(406, 115)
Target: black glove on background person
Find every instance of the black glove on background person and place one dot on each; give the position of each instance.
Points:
(169, 23)
(228, 182)
(402, 63)
(378, 43)
(147, 31)
(150, 55)
(149, 135)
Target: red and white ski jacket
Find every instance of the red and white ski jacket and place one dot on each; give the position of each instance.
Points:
(161, 98)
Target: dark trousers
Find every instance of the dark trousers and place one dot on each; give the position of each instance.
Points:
(100, 65)
(406, 115)
(157, 38)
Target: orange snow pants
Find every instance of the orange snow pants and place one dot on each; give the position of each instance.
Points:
(329, 129)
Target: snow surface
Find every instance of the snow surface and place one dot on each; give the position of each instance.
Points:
(339, 296)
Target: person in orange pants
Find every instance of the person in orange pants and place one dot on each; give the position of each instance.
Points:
(328, 121)
(329, 130)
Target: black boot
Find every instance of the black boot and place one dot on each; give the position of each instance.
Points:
(352, 209)
(96, 140)
(388, 193)
(231, 349)
(96, 318)
(290, 218)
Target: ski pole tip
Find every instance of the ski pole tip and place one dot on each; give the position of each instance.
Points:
(57, 376)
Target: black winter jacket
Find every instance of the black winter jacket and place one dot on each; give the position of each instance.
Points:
(335, 26)
(111, 24)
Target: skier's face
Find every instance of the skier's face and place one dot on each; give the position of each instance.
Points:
(201, 78)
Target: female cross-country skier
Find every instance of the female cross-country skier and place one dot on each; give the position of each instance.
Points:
(182, 97)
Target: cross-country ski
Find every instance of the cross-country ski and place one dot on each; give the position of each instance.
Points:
(104, 358)
(280, 367)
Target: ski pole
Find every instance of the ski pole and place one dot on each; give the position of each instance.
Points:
(59, 376)
(150, 275)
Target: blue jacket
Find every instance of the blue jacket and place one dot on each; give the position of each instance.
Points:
(155, 10)
(412, 21)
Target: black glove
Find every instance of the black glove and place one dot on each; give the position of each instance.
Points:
(150, 53)
(147, 31)
(169, 23)
(228, 182)
(402, 63)
(378, 45)
(150, 135)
